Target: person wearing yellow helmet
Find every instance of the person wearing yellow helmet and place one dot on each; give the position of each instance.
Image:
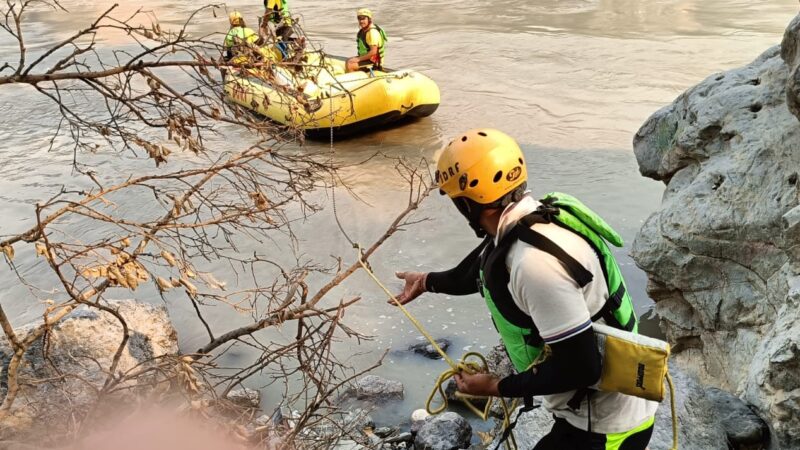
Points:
(276, 12)
(546, 274)
(370, 42)
(240, 41)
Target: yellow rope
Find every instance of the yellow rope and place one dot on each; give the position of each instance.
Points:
(463, 365)
(480, 366)
(674, 416)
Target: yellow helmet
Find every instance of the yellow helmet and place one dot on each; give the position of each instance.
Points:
(364, 12)
(483, 168)
(235, 18)
(482, 165)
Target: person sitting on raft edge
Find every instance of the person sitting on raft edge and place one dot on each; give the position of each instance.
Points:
(544, 285)
(371, 43)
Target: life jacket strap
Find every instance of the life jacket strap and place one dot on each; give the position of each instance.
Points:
(576, 400)
(575, 403)
(578, 273)
(528, 406)
(613, 303)
(534, 339)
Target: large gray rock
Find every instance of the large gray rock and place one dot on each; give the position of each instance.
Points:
(79, 349)
(499, 363)
(744, 429)
(790, 54)
(445, 431)
(722, 252)
(531, 426)
(245, 398)
(699, 425)
(350, 430)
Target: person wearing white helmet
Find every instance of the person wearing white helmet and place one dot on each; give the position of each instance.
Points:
(546, 275)
(371, 43)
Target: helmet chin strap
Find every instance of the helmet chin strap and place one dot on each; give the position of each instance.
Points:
(480, 232)
(473, 215)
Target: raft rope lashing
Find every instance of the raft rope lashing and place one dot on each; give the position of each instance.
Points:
(463, 365)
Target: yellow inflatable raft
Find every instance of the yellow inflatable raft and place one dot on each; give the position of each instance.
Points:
(318, 95)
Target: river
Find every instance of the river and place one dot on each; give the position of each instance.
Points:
(571, 80)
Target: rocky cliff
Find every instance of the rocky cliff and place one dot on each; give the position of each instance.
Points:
(723, 251)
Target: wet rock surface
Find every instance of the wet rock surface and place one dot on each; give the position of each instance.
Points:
(374, 388)
(427, 350)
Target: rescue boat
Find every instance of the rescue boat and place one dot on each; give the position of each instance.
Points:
(319, 97)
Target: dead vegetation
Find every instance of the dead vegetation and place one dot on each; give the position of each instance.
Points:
(159, 98)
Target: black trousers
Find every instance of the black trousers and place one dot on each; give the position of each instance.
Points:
(564, 436)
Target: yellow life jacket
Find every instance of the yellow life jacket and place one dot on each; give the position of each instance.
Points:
(236, 42)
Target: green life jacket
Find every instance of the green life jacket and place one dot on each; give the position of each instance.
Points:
(517, 330)
(240, 35)
(363, 47)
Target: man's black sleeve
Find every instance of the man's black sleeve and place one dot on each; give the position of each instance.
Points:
(460, 280)
(574, 363)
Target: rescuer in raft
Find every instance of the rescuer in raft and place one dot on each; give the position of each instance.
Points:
(371, 43)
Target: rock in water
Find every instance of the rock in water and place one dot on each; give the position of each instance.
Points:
(373, 388)
(418, 418)
(246, 398)
(721, 253)
(426, 348)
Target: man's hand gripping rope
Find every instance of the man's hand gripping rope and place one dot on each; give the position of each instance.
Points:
(472, 363)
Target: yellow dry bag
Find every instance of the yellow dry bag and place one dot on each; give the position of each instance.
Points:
(632, 364)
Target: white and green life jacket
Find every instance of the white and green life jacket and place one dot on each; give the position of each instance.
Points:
(517, 330)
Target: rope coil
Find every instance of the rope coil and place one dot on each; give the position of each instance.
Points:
(463, 365)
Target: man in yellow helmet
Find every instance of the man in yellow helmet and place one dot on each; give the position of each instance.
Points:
(240, 41)
(371, 43)
(546, 275)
